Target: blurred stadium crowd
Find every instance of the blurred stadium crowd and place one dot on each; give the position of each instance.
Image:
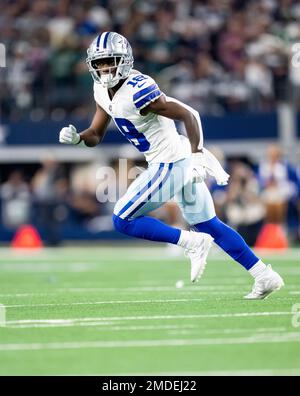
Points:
(217, 55)
(56, 197)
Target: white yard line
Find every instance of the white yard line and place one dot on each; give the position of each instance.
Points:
(105, 303)
(109, 302)
(152, 317)
(97, 267)
(2, 315)
(104, 326)
(291, 337)
(110, 326)
(84, 264)
(194, 288)
(50, 325)
(262, 331)
(54, 267)
(183, 290)
(150, 288)
(243, 330)
(150, 256)
(140, 289)
(75, 251)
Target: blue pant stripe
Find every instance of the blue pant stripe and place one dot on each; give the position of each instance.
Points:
(144, 189)
(170, 166)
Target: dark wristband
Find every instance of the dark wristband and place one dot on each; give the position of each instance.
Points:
(80, 140)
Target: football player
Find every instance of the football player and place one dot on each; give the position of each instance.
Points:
(177, 165)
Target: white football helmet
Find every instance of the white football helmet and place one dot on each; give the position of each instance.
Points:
(114, 46)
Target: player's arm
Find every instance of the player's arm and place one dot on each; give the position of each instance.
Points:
(91, 136)
(176, 110)
(96, 132)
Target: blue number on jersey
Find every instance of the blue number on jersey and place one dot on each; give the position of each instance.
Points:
(136, 80)
(127, 128)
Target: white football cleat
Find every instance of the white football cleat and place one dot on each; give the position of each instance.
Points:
(266, 284)
(198, 256)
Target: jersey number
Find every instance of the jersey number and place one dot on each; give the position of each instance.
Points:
(127, 128)
(136, 80)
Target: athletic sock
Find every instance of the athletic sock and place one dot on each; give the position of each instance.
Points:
(257, 270)
(189, 239)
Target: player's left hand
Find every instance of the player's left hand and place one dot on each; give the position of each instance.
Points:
(198, 169)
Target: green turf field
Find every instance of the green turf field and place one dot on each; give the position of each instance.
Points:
(115, 311)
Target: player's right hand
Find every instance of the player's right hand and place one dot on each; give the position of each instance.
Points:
(69, 135)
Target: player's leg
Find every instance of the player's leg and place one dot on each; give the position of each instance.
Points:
(150, 190)
(198, 209)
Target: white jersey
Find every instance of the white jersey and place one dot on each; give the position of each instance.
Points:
(155, 136)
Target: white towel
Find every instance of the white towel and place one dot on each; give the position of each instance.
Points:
(214, 168)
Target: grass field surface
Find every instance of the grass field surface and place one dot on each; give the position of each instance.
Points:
(116, 311)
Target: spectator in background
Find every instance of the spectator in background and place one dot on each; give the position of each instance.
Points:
(84, 206)
(272, 52)
(82, 201)
(244, 209)
(61, 24)
(200, 91)
(280, 185)
(38, 62)
(20, 76)
(63, 62)
(239, 43)
(50, 189)
(294, 72)
(16, 201)
(231, 42)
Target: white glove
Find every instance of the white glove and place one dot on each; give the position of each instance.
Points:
(69, 135)
(198, 168)
(214, 168)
